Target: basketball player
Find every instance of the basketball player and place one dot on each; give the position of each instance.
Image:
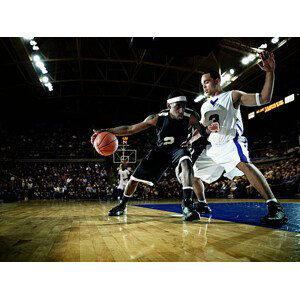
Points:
(172, 128)
(124, 174)
(228, 148)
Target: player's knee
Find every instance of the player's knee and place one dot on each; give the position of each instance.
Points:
(244, 167)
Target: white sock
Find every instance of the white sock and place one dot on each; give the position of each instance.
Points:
(202, 200)
(271, 199)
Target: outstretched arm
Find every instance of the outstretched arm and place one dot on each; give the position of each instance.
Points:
(150, 121)
(264, 97)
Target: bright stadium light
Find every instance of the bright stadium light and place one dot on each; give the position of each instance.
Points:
(40, 64)
(199, 98)
(245, 60)
(36, 58)
(231, 71)
(251, 57)
(275, 40)
(45, 79)
(263, 46)
(227, 77)
(49, 86)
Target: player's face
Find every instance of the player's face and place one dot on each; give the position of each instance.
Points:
(210, 86)
(177, 110)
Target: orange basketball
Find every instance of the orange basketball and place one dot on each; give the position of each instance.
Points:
(106, 143)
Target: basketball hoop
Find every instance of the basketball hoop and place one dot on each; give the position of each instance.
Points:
(123, 154)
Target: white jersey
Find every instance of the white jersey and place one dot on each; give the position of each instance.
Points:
(220, 108)
(123, 175)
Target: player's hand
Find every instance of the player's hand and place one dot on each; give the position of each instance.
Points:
(268, 62)
(96, 132)
(93, 137)
(214, 127)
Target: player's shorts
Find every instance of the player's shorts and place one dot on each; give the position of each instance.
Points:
(158, 160)
(218, 160)
(122, 185)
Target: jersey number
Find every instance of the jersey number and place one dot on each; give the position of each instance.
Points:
(168, 140)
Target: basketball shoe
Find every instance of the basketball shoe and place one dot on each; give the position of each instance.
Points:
(276, 215)
(118, 210)
(202, 207)
(189, 214)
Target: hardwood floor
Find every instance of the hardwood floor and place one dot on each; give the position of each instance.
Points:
(82, 231)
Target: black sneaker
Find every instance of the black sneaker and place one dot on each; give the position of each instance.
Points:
(189, 214)
(202, 207)
(118, 210)
(276, 215)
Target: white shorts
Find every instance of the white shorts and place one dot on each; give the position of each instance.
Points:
(217, 159)
(122, 185)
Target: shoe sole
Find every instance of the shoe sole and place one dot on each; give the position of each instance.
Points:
(275, 222)
(192, 217)
(120, 213)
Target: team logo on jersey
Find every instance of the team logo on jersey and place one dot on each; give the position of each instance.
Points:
(214, 102)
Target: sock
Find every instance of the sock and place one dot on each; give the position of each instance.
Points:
(271, 200)
(187, 193)
(202, 200)
(125, 199)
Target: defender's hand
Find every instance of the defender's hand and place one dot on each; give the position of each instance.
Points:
(268, 62)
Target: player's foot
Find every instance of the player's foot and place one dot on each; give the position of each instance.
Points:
(189, 214)
(276, 215)
(118, 210)
(202, 207)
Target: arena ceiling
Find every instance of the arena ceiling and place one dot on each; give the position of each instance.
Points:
(112, 75)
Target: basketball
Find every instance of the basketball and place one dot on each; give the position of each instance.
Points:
(106, 143)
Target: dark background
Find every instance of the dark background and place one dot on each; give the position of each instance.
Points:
(104, 82)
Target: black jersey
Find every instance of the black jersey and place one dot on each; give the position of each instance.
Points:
(173, 132)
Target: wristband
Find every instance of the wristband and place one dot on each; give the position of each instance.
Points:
(257, 96)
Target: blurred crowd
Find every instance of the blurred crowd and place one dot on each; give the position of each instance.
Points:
(60, 141)
(23, 181)
(78, 180)
(282, 176)
(83, 181)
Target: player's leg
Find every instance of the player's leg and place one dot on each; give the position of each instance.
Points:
(201, 205)
(120, 209)
(205, 169)
(275, 214)
(188, 211)
(147, 172)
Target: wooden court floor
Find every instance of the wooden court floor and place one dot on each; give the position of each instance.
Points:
(82, 232)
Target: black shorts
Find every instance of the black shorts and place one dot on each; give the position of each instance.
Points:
(158, 160)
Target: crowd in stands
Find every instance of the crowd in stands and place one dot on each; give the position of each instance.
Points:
(22, 181)
(83, 181)
(74, 180)
(59, 142)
